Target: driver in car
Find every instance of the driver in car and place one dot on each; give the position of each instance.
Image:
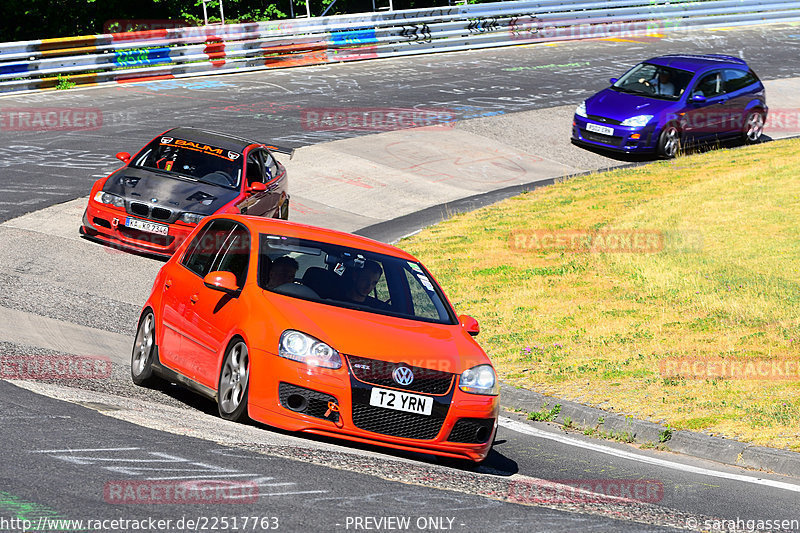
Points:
(661, 83)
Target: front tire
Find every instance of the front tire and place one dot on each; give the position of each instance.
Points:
(284, 211)
(144, 350)
(669, 142)
(234, 380)
(753, 127)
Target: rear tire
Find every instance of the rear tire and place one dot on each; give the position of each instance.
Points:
(669, 142)
(144, 350)
(234, 380)
(753, 127)
(284, 212)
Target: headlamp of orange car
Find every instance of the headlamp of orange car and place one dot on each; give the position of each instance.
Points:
(479, 379)
(304, 348)
(110, 199)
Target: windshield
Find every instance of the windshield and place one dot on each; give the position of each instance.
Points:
(656, 81)
(352, 278)
(191, 160)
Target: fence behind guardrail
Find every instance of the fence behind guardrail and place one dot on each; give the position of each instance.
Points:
(194, 51)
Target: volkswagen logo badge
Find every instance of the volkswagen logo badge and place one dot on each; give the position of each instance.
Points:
(403, 375)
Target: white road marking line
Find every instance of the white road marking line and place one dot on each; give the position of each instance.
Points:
(519, 427)
(292, 493)
(86, 450)
(206, 476)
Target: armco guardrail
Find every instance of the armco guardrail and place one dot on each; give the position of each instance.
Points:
(194, 51)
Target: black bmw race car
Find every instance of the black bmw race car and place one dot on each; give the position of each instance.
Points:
(152, 203)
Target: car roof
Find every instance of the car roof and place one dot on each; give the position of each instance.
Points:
(315, 233)
(695, 63)
(211, 138)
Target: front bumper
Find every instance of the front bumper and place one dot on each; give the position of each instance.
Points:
(457, 422)
(625, 139)
(107, 225)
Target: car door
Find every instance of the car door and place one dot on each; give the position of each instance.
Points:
(710, 117)
(177, 291)
(211, 314)
(739, 86)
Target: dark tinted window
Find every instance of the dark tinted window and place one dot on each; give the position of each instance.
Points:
(220, 245)
(271, 166)
(353, 278)
(736, 79)
(254, 168)
(709, 85)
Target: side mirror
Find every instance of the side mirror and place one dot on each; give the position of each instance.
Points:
(257, 187)
(221, 281)
(697, 98)
(469, 324)
(612, 81)
(125, 157)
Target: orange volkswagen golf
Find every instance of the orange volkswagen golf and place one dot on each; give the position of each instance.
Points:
(310, 329)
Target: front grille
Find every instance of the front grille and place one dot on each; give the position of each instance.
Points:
(146, 211)
(146, 237)
(604, 120)
(159, 213)
(396, 423)
(472, 430)
(316, 402)
(142, 210)
(610, 140)
(379, 373)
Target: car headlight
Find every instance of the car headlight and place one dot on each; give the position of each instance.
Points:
(191, 218)
(298, 346)
(479, 379)
(637, 122)
(581, 110)
(110, 199)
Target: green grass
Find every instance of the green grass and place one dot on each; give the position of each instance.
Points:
(592, 325)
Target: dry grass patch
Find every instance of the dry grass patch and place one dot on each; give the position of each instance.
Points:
(594, 326)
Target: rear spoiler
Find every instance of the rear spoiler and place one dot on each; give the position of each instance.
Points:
(281, 150)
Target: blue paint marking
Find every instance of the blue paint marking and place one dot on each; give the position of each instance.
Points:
(14, 68)
(142, 56)
(354, 37)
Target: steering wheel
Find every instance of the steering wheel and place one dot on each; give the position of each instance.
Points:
(220, 178)
(650, 87)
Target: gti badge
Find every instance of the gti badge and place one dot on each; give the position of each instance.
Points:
(403, 375)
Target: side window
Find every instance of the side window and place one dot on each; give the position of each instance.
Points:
(254, 167)
(206, 245)
(234, 255)
(270, 165)
(709, 85)
(423, 306)
(738, 79)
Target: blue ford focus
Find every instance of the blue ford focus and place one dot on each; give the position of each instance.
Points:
(672, 101)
